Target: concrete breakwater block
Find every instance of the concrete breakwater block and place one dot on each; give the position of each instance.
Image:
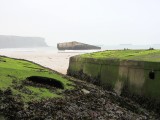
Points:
(134, 71)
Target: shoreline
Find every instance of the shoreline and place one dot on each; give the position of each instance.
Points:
(53, 59)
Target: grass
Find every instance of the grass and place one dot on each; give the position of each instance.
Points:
(14, 72)
(142, 55)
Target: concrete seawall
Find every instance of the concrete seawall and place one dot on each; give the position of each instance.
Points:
(138, 79)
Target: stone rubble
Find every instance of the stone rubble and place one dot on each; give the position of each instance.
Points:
(85, 102)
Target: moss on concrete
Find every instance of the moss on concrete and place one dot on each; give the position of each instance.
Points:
(151, 86)
(109, 76)
(122, 71)
(141, 55)
(92, 69)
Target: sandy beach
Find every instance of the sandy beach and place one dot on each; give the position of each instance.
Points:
(53, 59)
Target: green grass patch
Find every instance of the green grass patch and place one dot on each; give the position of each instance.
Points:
(141, 55)
(13, 73)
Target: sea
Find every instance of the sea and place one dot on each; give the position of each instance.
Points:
(103, 47)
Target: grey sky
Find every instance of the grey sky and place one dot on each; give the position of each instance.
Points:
(92, 21)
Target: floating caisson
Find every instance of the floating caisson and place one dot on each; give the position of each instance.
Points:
(76, 46)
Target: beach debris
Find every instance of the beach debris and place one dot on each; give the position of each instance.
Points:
(151, 48)
(85, 91)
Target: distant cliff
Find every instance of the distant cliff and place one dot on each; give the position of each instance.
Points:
(21, 42)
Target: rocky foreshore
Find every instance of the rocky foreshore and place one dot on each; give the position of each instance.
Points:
(87, 101)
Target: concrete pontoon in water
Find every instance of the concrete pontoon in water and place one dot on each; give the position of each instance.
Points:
(76, 46)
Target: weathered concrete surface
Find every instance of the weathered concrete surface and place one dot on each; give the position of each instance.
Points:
(126, 77)
(75, 46)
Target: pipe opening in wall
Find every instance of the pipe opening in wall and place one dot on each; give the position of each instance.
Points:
(152, 75)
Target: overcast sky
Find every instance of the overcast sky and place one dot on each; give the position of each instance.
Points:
(101, 22)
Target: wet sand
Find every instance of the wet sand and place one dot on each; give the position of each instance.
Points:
(55, 60)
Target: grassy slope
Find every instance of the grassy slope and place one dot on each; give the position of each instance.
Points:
(14, 72)
(142, 55)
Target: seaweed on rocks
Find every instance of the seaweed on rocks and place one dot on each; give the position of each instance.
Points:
(75, 105)
(10, 104)
(82, 76)
(145, 102)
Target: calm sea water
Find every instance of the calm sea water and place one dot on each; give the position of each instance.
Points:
(55, 50)
(112, 47)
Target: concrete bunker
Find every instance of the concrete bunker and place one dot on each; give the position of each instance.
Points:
(126, 77)
(46, 81)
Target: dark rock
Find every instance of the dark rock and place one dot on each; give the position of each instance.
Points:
(46, 81)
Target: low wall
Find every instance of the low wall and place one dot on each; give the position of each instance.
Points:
(138, 79)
